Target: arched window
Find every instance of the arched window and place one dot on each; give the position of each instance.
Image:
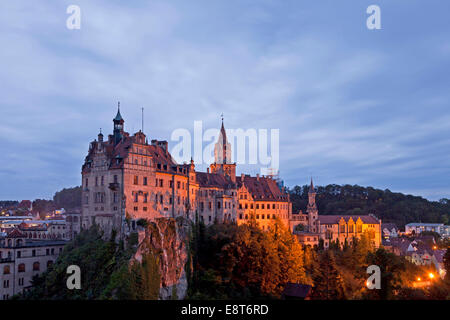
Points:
(9, 243)
(21, 267)
(18, 242)
(36, 266)
(6, 270)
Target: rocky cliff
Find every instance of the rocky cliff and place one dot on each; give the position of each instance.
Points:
(167, 239)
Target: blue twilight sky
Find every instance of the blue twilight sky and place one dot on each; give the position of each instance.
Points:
(356, 106)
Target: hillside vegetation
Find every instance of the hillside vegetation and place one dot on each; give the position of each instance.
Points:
(389, 206)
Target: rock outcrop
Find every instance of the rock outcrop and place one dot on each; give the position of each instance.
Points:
(168, 239)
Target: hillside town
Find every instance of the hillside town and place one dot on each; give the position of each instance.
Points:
(126, 180)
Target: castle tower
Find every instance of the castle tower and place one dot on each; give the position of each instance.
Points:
(118, 126)
(222, 149)
(222, 156)
(312, 209)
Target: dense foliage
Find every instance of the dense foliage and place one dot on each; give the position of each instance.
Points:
(105, 272)
(244, 262)
(68, 198)
(235, 262)
(386, 205)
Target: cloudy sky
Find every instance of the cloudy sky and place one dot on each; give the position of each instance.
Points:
(356, 106)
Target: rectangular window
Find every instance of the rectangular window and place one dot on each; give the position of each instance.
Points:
(136, 180)
(161, 183)
(145, 181)
(115, 178)
(102, 180)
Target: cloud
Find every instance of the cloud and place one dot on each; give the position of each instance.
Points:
(352, 106)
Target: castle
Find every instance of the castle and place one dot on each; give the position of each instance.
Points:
(125, 178)
(338, 229)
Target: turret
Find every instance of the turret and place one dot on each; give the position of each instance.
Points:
(118, 126)
(312, 209)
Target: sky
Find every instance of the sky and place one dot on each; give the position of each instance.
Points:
(353, 105)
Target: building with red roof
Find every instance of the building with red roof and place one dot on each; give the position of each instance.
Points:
(125, 178)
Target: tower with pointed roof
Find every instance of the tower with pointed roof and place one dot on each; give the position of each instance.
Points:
(311, 209)
(118, 126)
(222, 156)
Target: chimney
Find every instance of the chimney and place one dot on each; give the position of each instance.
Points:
(207, 170)
(242, 176)
(257, 177)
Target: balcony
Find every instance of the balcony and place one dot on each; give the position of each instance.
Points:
(114, 186)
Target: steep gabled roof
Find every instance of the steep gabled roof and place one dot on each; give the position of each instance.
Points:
(262, 188)
(15, 233)
(217, 180)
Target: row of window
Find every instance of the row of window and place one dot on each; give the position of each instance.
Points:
(21, 267)
(263, 216)
(33, 253)
(263, 206)
(159, 182)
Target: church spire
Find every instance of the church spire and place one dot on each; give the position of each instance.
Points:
(311, 187)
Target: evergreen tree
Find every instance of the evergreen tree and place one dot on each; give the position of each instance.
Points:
(328, 282)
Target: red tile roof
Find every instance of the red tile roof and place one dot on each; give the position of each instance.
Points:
(205, 179)
(15, 233)
(262, 188)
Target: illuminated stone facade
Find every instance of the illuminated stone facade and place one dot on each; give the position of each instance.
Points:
(125, 178)
(334, 228)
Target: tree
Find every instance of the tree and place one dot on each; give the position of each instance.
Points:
(391, 267)
(328, 282)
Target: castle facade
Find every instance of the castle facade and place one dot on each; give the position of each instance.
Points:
(338, 229)
(125, 178)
